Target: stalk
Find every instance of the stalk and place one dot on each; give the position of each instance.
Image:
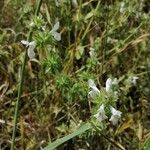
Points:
(21, 81)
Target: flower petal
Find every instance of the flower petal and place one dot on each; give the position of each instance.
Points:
(108, 84)
(91, 83)
(31, 53)
(26, 43)
(92, 94)
(114, 119)
(101, 108)
(115, 115)
(31, 48)
(56, 27)
(134, 80)
(57, 36)
(115, 112)
(100, 116)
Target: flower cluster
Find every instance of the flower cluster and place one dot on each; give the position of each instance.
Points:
(31, 45)
(101, 114)
(110, 84)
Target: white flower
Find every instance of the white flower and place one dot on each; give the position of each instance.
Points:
(122, 7)
(100, 116)
(54, 33)
(92, 52)
(108, 85)
(115, 115)
(132, 80)
(31, 46)
(94, 90)
(75, 3)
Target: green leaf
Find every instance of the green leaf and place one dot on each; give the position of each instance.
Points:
(147, 144)
(79, 52)
(89, 15)
(60, 141)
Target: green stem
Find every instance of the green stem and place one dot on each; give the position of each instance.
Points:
(21, 82)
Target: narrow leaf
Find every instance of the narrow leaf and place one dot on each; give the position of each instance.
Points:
(60, 141)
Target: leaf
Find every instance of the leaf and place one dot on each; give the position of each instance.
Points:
(79, 52)
(60, 141)
(139, 131)
(57, 36)
(89, 15)
(147, 144)
(127, 124)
